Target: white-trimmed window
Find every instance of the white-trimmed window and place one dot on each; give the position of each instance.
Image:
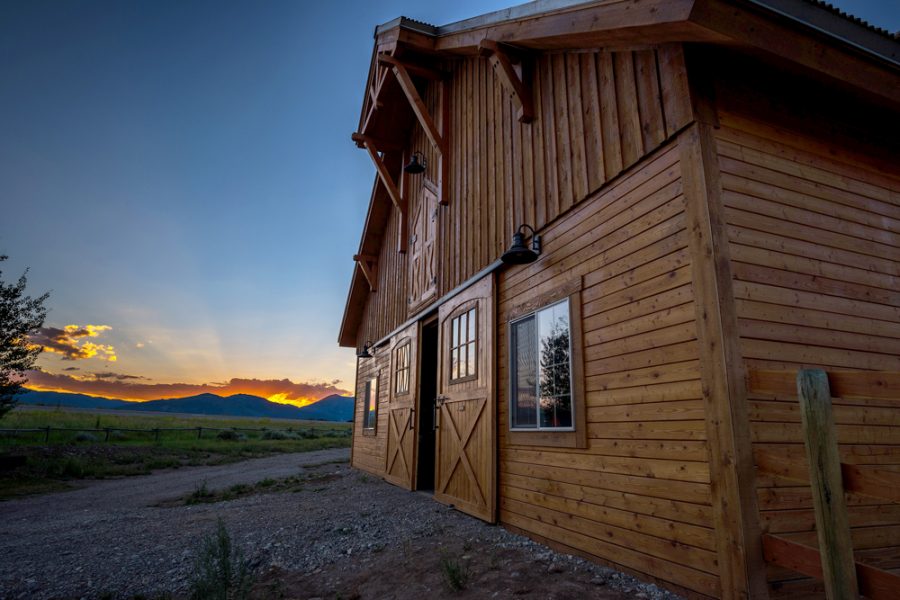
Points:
(541, 391)
(370, 404)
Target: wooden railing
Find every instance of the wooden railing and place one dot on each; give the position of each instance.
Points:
(833, 561)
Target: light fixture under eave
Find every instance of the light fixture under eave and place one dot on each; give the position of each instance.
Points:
(519, 253)
(416, 164)
(364, 353)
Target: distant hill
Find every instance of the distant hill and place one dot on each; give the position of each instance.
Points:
(332, 408)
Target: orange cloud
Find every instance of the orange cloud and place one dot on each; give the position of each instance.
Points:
(128, 387)
(70, 342)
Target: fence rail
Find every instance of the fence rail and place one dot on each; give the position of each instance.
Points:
(833, 562)
(157, 431)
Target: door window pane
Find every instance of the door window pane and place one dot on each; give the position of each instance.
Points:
(463, 347)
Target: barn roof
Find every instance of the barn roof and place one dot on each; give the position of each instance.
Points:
(811, 33)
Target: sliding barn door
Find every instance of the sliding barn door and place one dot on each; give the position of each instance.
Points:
(466, 448)
(422, 244)
(400, 467)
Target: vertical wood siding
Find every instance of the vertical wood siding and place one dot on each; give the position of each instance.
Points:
(815, 247)
(597, 113)
(639, 495)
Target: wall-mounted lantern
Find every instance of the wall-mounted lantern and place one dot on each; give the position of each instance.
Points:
(519, 253)
(364, 353)
(416, 164)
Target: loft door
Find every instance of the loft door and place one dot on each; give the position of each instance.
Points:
(422, 284)
(465, 447)
(400, 467)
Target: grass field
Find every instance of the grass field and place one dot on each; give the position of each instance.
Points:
(83, 452)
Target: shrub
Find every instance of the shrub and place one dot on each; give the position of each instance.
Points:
(220, 570)
(231, 435)
(455, 573)
(273, 434)
(85, 437)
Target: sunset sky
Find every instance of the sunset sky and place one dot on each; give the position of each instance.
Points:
(180, 176)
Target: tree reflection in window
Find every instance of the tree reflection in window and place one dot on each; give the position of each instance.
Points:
(540, 369)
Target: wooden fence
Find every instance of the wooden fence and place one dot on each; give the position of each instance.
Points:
(157, 431)
(833, 562)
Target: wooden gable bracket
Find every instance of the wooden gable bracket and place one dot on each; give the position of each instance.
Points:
(375, 88)
(503, 58)
(436, 130)
(369, 266)
(398, 196)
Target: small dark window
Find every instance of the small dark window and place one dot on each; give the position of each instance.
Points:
(370, 403)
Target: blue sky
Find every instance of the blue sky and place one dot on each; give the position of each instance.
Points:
(182, 173)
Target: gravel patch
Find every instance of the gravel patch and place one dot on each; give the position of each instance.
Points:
(339, 532)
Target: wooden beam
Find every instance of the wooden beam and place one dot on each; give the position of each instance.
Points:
(844, 384)
(403, 236)
(385, 175)
(419, 108)
(832, 522)
(369, 266)
(412, 69)
(443, 113)
(735, 512)
(501, 58)
(383, 145)
(871, 481)
(874, 583)
(868, 480)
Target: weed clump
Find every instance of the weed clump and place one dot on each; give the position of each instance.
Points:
(455, 573)
(200, 494)
(220, 570)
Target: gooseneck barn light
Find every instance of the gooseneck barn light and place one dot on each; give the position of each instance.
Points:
(519, 253)
(415, 166)
(364, 353)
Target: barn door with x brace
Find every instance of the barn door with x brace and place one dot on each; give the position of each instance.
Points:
(400, 467)
(465, 455)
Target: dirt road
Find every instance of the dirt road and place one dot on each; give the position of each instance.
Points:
(335, 537)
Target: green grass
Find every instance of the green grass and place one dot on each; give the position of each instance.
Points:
(71, 455)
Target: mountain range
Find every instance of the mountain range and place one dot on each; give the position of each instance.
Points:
(330, 408)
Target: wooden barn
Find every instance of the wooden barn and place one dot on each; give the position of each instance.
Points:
(602, 239)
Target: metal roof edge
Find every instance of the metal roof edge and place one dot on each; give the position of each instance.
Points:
(829, 21)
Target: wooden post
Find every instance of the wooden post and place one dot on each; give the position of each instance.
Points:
(106, 439)
(199, 432)
(832, 524)
(156, 433)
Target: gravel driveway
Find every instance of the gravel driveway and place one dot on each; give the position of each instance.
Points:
(112, 539)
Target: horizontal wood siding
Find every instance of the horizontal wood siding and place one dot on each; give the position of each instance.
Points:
(597, 113)
(638, 496)
(369, 447)
(815, 247)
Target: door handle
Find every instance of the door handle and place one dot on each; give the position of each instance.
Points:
(412, 419)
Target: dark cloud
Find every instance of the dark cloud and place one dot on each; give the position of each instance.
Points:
(114, 385)
(70, 342)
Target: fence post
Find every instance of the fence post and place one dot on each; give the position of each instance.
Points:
(199, 432)
(832, 524)
(156, 433)
(107, 435)
(47, 436)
